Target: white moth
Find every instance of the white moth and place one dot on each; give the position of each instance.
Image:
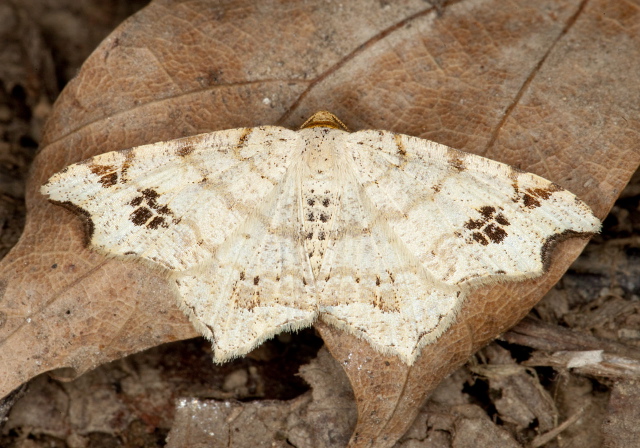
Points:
(267, 229)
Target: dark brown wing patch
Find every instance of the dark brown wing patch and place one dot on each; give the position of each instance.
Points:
(108, 174)
(490, 227)
(149, 212)
(532, 197)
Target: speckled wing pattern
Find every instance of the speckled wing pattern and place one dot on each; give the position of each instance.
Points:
(467, 219)
(175, 202)
(267, 229)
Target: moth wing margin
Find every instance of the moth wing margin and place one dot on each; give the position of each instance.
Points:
(466, 218)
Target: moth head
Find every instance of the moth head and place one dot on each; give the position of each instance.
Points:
(324, 119)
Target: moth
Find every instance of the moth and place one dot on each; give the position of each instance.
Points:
(267, 229)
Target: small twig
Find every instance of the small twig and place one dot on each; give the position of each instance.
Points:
(553, 338)
(542, 439)
(593, 363)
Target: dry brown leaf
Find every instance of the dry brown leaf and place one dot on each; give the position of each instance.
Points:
(550, 88)
(456, 425)
(521, 402)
